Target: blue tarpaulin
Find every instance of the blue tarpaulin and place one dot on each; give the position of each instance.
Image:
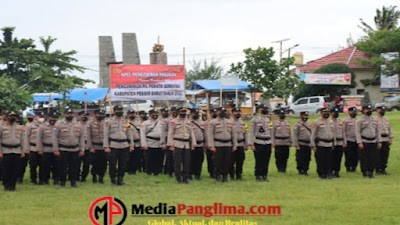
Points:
(93, 94)
(215, 85)
(77, 94)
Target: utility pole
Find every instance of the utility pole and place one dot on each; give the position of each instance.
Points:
(280, 49)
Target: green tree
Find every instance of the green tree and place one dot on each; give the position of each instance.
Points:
(203, 70)
(12, 96)
(266, 74)
(382, 41)
(331, 90)
(387, 18)
(43, 70)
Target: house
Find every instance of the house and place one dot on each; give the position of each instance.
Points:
(350, 57)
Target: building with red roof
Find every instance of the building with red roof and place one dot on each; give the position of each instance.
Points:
(349, 56)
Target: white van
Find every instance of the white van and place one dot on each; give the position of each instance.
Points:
(310, 104)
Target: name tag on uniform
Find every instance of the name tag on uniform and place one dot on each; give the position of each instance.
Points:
(322, 125)
(64, 130)
(365, 123)
(278, 128)
(302, 128)
(259, 124)
(351, 124)
(6, 132)
(218, 126)
(47, 132)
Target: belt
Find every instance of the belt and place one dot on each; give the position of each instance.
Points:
(68, 146)
(304, 141)
(118, 140)
(325, 140)
(281, 138)
(153, 138)
(97, 143)
(136, 140)
(339, 139)
(384, 135)
(181, 139)
(223, 141)
(240, 141)
(10, 146)
(32, 144)
(47, 145)
(368, 139)
(263, 138)
(199, 142)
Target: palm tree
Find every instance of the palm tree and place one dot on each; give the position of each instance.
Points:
(387, 18)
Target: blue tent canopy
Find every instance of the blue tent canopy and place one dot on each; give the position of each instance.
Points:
(45, 97)
(93, 94)
(215, 85)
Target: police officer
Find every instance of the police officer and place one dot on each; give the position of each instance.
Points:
(35, 156)
(369, 140)
(209, 153)
(142, 117)
(387, 136)
(340, 143)
(301, 140)
(11, 150)
(238, 156)
(95, 139)
(86, 160)
(351, 149)
(151, 134)
(134, 156)
(181, 140)
(222, 141)
(118, 142)
(197, 155)
(322, 142)
(168, 161)
(281, 140)
(69, 145)
(24, 161)
(260, 141)
(45, 144)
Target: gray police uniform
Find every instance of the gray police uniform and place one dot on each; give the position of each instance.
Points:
(351, 150)
(281, 139)
(151, 135)
(260, 137)
(301, 138)
(386, 134)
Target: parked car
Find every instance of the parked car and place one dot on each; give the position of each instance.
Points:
(137, 105)
(311, 104)
(391, 104)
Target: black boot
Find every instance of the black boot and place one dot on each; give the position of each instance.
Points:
(224, 178)
(83, 179)
(101, 180)
(73, 184)
(258, 178)
(178, 180)
(239, 177)
(218, 178)
(62, 183)
(365, 174)
(232, 176)
(265, 178)
(370, 174)
(113, 182)
(94, 179)
(305, 173)
(186, 180)
(197, 177)
(121, 180)
(384, 172)
(337, 174)
(55, 181)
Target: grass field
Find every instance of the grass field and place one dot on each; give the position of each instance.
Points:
(351, 199)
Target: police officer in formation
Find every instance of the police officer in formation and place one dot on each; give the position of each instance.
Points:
(340, 143)
(369, 140)
(168, 158)
(387, 136)
(222, 141)
(69, 145)
(118, 142)
(153, 144)
(281, 140)
(238, 156)
(351, 147)
(95, 138)
(30, 139)
(49, 163)
(301, 141)
(134, 156)
(86, 159)
(260, 141)
(322, 143)
(197, 155)
(11, 150)
(209, 153)
(181, 140)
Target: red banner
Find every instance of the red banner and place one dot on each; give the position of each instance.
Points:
(147, 82)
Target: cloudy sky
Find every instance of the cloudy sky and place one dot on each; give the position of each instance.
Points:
(208, 29)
